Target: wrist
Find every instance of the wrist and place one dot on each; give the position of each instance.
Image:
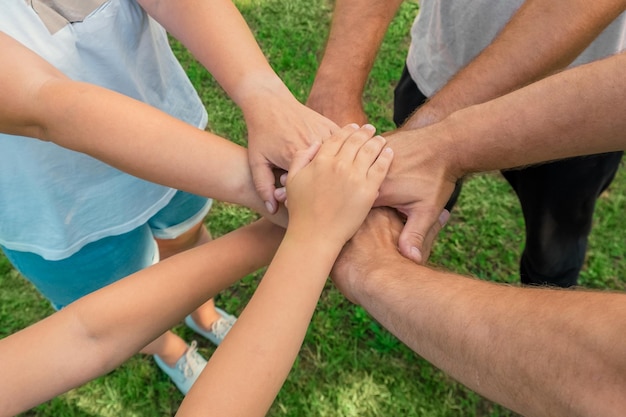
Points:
(258, 88)
(449, 146)
(373, 277)
(317, 245)
(427, 114)
(332, 80)
(314, 235)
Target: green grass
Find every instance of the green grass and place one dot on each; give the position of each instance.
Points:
(349, 365)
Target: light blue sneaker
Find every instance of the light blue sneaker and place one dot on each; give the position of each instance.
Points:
(219, 329)
(186, 370)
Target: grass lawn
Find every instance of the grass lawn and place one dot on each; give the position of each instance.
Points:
(348, 366)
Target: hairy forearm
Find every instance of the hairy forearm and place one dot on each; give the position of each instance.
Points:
(539, 352)
(556, 32)
(357, 31)
(576, 112)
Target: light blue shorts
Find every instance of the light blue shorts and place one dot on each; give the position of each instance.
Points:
(107, 260)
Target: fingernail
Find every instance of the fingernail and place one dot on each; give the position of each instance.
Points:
(369, 127)
(280, 193)
(444, 217)
(269, 206)
(416, 254)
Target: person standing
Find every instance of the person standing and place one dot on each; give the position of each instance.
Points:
(464, 53)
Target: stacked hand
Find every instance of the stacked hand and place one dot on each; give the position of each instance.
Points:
(331, 187)
(276, 131)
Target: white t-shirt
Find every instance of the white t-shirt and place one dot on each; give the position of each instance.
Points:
(53, 201)
(447, 34)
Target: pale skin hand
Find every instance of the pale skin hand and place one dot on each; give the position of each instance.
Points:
(278, 124)
(247, 370)
(351, 159)
(42, 103)
(83, 343)
(352, 190)
(540, 352)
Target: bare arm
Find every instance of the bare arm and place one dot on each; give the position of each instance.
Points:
(356, 33)
(97, 333)
(541, 38)
(278, 125)
(40, 102)
(576, 112)
(539, 352)
(249, 367)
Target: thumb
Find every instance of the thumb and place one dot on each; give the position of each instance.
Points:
(415, 238)
(263, 177)
(303, 158)
(433, 233)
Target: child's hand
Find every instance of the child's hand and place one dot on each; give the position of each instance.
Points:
(331, 187)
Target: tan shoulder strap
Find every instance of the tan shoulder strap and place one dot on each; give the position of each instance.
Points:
(56, 14)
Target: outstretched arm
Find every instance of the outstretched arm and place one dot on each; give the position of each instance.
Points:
(247, 370)
(539, 352)
(356, 33)
(541, 38)
(278, 125)
(575, 112)
(38, 101)
(95, 334)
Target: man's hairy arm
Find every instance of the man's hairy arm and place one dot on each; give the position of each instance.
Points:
(539, 352)
(575, 112)
(541, 38)
(356, 33)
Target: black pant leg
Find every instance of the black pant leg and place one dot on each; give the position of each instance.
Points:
(558, 200)
(407, 97)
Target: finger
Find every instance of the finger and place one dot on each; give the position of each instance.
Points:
(413, 235)
(368, 153)
(353, 144)
(379, 169)
(280, 194)
(302, 158)
(263, 178)
(433, 233)
(333, 144)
